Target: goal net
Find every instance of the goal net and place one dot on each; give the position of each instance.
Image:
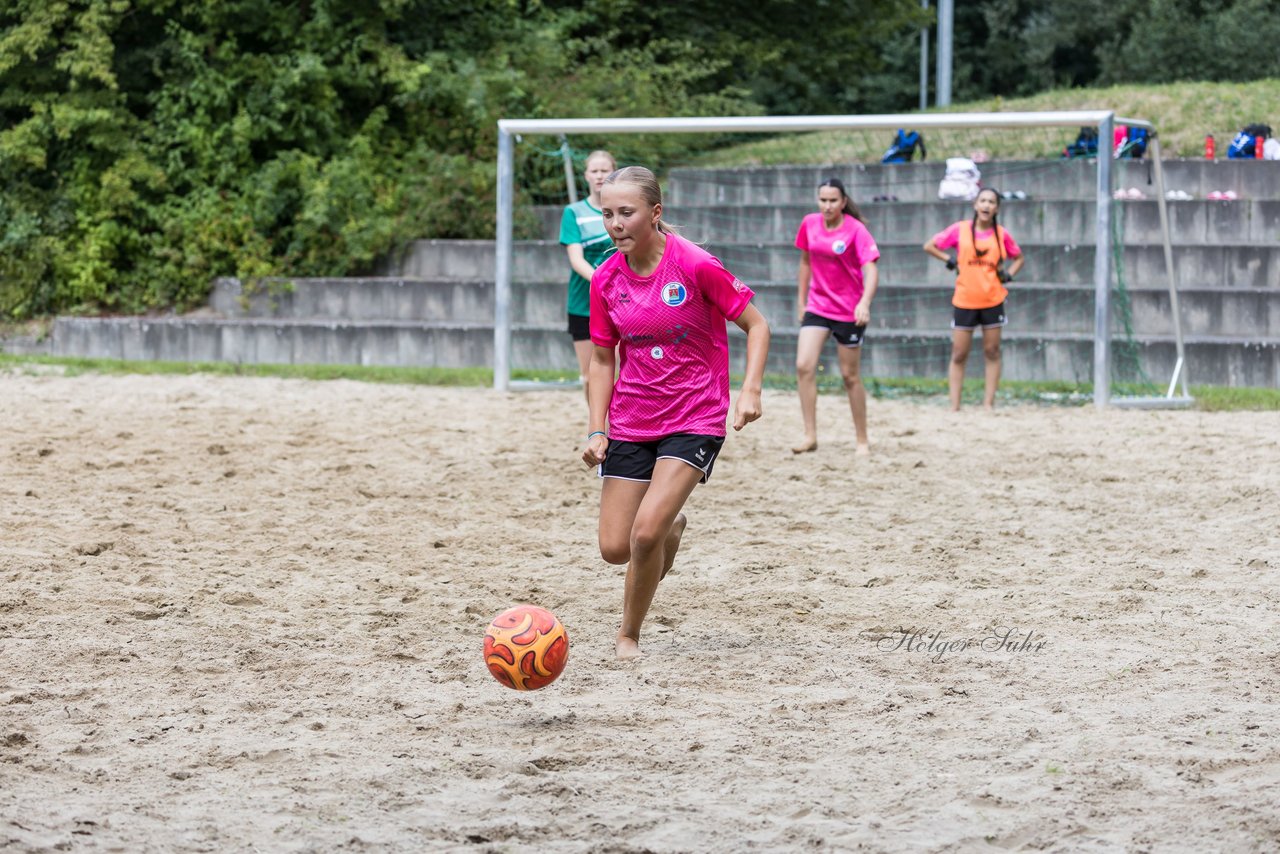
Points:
(1094, 304)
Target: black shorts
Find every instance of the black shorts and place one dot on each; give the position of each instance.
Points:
(972, 318)
(580, 327)
(846, 332)
(635, 460)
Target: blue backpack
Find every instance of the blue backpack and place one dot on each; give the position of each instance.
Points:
(903, 148)
(1135, 145)
(1086, 144)
(1245, 144)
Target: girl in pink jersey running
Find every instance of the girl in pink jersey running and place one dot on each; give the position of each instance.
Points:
(837, 280)
(659, 307)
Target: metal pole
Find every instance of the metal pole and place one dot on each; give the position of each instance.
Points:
(924, 61)
(1179, 371)
(1102, 270)
(946, 17)
(570, 179)
(502, 265)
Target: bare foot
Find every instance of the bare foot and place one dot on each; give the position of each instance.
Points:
(863, 450)
(806, 446)
(628, 649)
(673, 544)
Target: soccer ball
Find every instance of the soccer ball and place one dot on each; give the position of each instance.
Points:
(526, 647)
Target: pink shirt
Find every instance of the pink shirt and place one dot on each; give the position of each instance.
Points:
(835, 261)
(669, 328)
(950, 236)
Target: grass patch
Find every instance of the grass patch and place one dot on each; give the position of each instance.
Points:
(1056, 393)
(1216, 398)
(1183, 113)
(75, 366)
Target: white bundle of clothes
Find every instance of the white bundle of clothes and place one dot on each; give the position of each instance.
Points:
(961, 180)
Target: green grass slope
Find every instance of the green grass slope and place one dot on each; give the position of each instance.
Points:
(1183, 114)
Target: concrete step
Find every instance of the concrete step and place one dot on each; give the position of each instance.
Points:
(1061, 308)
(918, 182)
(1030, 355)
(1191, 223)
(922, 351)
(1058, 307)
(1233, 266)
(378, 299)
(1198, 222)
(1140, 266)
(205, 339)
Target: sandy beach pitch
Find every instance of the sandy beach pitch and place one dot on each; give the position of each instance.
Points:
(246, 614)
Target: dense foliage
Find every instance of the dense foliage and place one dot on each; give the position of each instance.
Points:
(147, 146)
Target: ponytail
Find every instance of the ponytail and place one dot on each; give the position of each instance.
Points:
(849, 207)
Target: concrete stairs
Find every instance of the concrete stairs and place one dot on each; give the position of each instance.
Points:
(434, 303)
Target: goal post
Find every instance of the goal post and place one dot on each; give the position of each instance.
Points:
(1104, 120)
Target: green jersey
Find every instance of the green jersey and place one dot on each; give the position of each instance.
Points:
(584, 224)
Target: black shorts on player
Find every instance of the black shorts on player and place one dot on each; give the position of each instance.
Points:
(846, 332)
(579, 327)
(635, 460)
(972, 318)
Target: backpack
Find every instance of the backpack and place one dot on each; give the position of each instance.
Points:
(1245, 144)
(1133, 144)
(1086, 144)
(960, 181)
(903, 148)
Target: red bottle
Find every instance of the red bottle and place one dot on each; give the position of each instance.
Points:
(1258, 143)
(1208, 147)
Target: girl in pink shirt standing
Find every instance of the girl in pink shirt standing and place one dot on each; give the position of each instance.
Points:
(837, 281)
(658, 312)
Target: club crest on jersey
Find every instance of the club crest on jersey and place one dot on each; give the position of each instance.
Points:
(839, 246)
(674, 294)
(656, 352)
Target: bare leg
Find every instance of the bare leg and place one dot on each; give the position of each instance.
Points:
(808, 349)
(619, 503)
(673, 482)
(672, 544)
(851, 373)
(961, 341)
(582, 349)
(991, 355)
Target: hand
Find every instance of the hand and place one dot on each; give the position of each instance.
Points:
(747, 409)
(951, 264)
(597, 445)
(1003, 276)
(862, 314)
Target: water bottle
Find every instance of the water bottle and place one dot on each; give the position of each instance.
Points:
(1259, 142)
(1208, 147)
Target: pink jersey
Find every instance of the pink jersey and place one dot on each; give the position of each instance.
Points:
(669, 328)
(835, 260)
(950, 237)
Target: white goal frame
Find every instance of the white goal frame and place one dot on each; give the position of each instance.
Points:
(1104, 120)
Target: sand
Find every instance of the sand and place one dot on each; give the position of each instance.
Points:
(246, 614)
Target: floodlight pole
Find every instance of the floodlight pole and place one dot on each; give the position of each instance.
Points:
(502, 264)
(946, 18)
(1102, 269)
(924, 61)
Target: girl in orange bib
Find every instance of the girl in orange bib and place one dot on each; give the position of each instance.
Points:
(983, 247)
